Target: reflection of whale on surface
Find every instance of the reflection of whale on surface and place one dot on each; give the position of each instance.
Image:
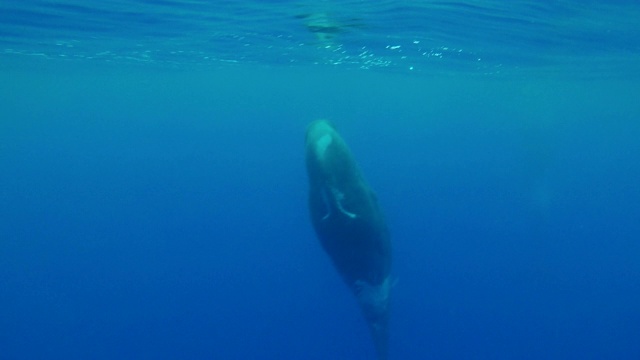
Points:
(350, 226)
(321, 25)
(325, 27)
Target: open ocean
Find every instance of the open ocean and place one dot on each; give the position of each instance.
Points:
(153, 192)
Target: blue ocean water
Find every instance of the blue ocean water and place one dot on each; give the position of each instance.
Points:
(153, 195)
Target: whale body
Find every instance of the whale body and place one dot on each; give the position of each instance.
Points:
(350, 226)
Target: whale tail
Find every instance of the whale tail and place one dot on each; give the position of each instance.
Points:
(381, 339)
(374, 302)
(380, 334)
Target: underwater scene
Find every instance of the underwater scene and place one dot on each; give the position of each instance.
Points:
(358, 180)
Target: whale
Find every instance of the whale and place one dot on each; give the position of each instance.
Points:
(350, 226)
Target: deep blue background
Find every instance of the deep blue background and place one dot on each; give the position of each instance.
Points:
(155, 213)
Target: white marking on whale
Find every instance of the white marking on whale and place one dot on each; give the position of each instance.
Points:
(321, 146)
(374, 298)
